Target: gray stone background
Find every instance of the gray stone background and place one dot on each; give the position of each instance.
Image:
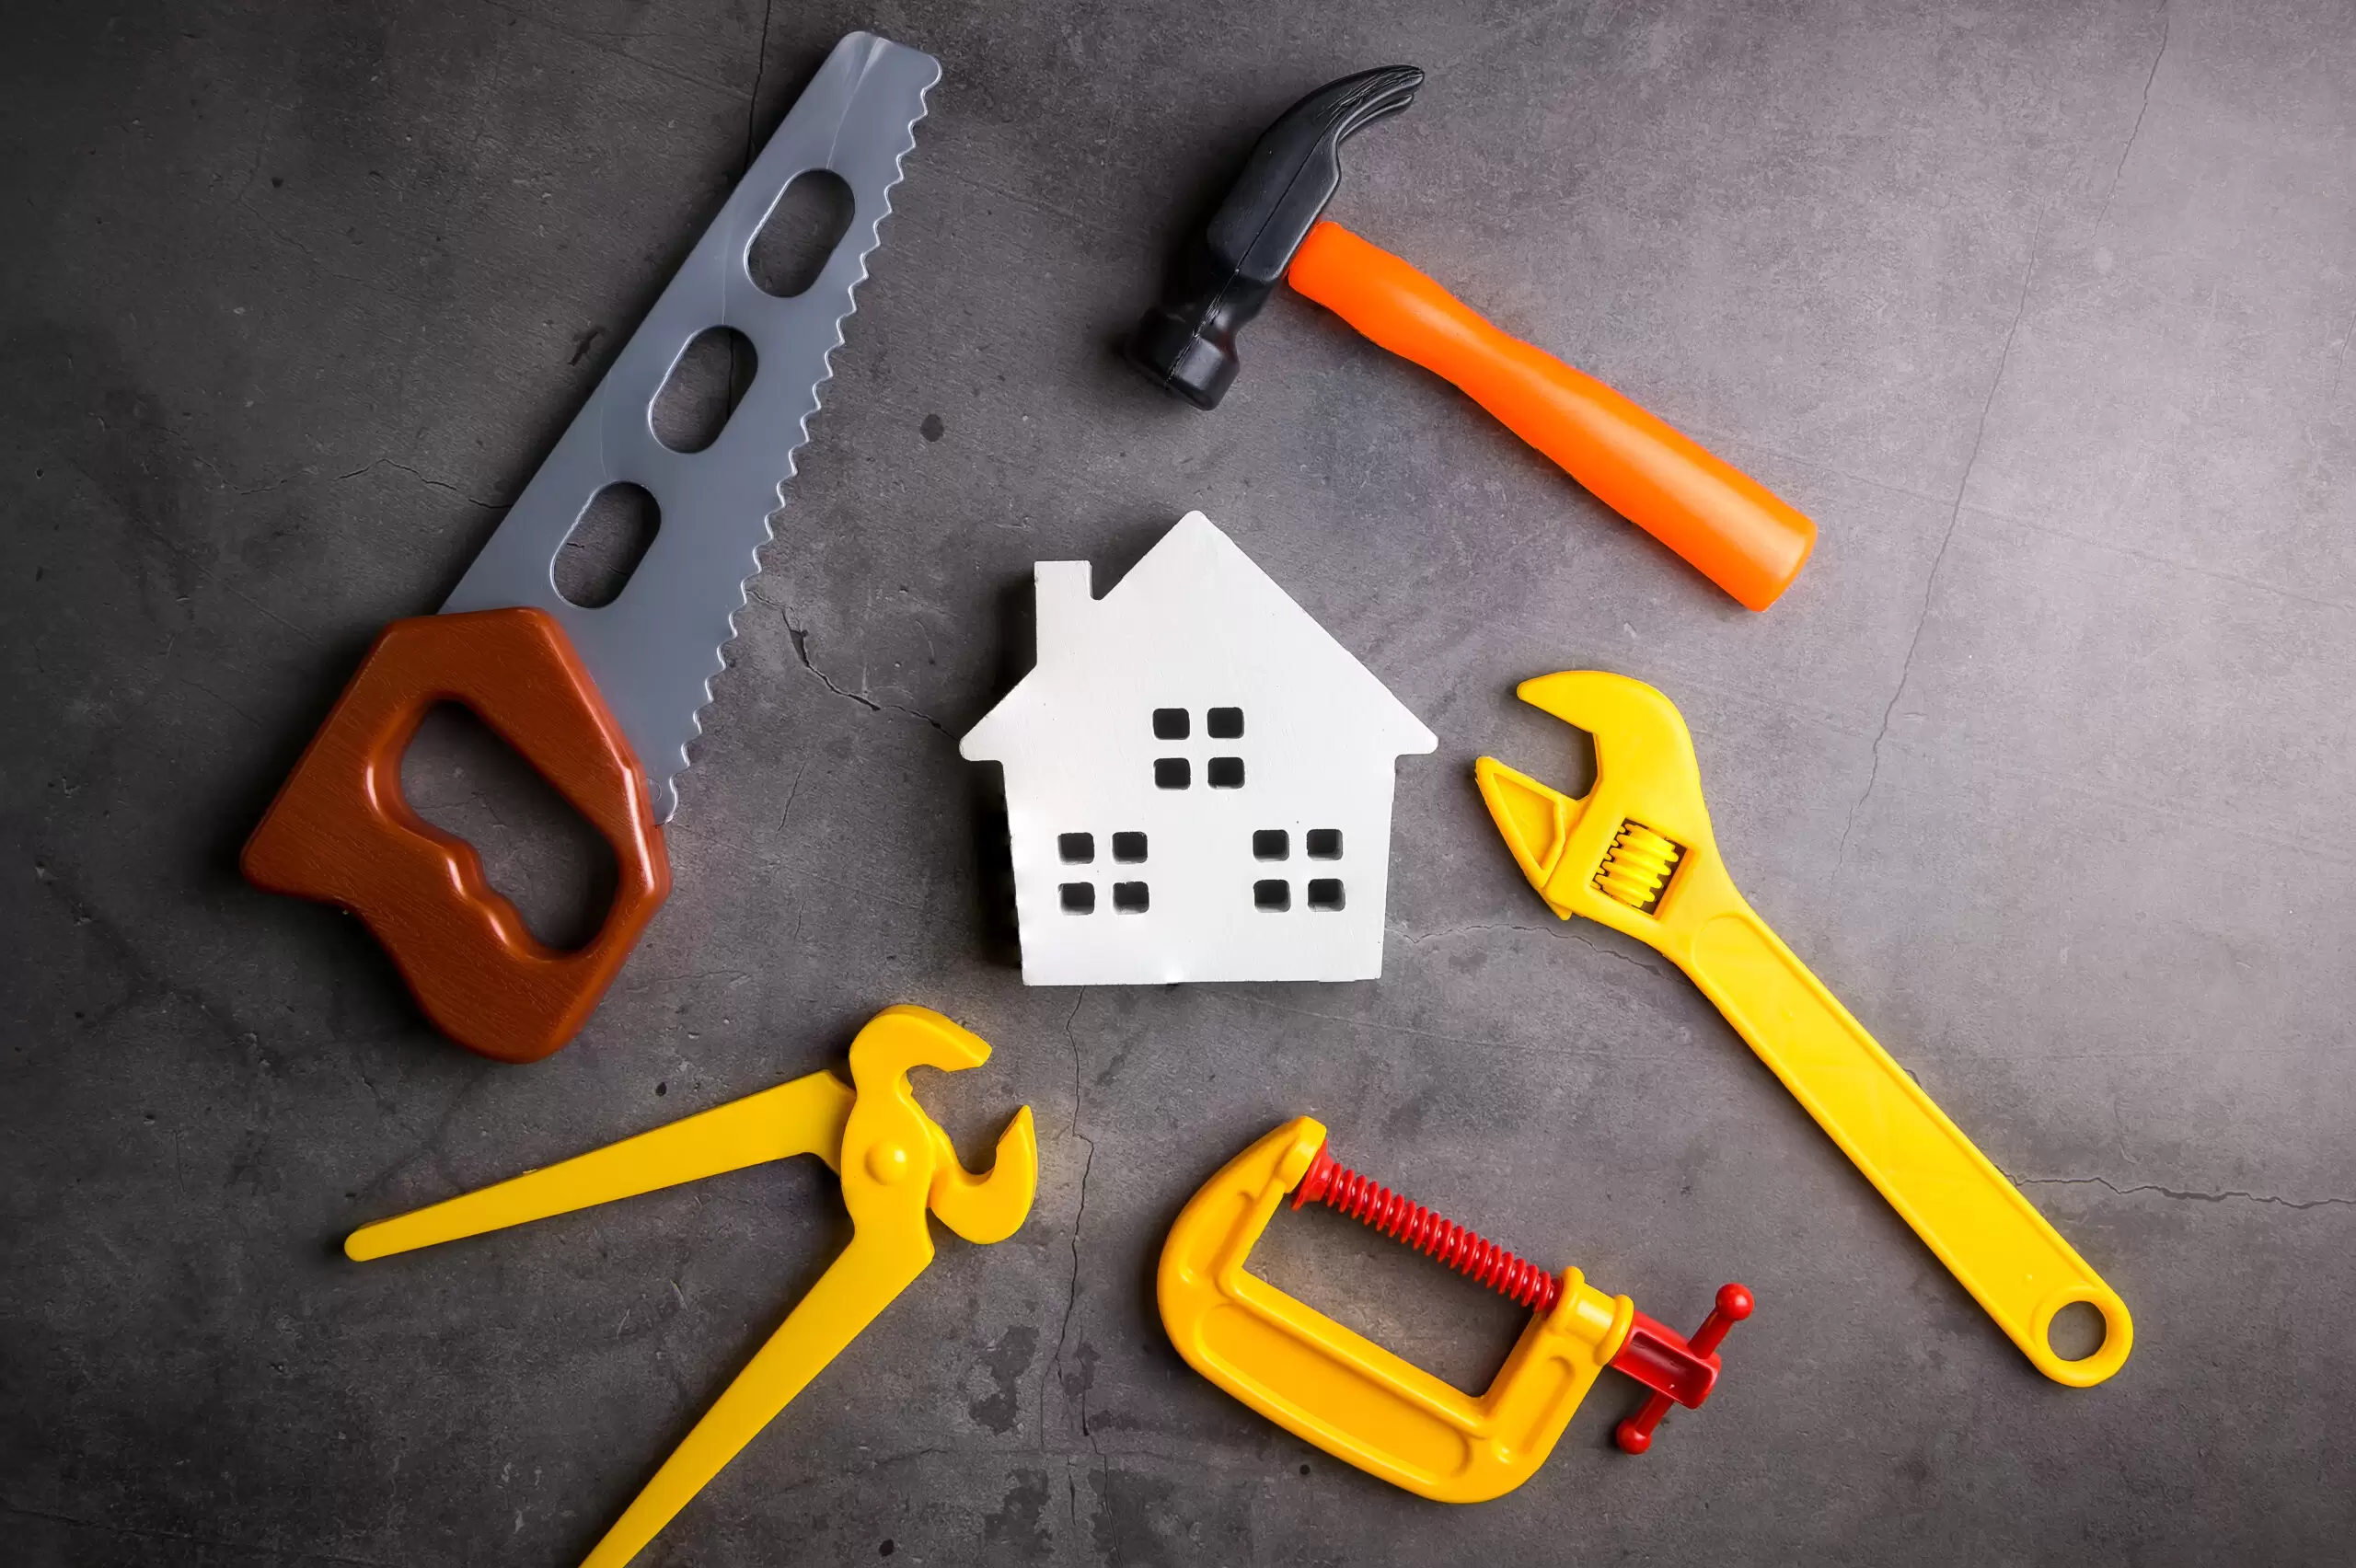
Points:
(2042, 311)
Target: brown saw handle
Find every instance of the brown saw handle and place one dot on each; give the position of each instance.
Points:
(1732, 528)
(340, 830)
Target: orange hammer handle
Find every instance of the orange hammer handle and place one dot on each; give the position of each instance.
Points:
(1726, 523)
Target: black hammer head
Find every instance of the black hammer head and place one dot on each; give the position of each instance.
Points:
(1187, 342)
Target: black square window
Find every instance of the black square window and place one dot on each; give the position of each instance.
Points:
(1172, 773)
(1169, 723)
(1078, 898)
(1076, 848)
(1273, 895)
(1325, 893)
(1325, 843)
(1130, 898)
(1272, 843)
(1129, 847)
(1225, 773)
(1225, 723)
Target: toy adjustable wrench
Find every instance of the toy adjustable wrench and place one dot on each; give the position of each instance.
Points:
(1359, 1402)
(895, 1163)
(1637, 854)
(602, 700)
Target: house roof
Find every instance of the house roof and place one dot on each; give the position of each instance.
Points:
(1194, 599)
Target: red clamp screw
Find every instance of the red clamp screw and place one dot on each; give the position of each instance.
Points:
(1681, 1372)
(1377, 1206)
(1678, 1370)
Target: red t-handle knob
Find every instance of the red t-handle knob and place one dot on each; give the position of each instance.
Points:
(1734, 1304)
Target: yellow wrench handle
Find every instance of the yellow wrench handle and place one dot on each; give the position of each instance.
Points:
(2014, 1262)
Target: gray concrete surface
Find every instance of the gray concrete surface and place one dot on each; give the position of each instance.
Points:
(2043, 311)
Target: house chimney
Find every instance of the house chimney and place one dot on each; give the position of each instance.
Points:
(1063, 596)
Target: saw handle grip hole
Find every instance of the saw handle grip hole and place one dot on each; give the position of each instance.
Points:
(601, 554)
(808, 220)
(706, 381)
(540, 853)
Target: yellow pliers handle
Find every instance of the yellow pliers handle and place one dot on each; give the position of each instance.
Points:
(895, 1164)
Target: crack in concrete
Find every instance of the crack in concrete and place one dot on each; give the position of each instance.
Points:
(319, 263)
(1930, 579)
(1594, 946)
(1412, 940)
(800, 637)
(195, 686)
(598, 39)
(2339, 364)
(262, 151)
(196, 455)
(1568, 929)
(428, 1147)
(2141, 110)
(886, 1461)
(760, 70)
(299, 1554)
(148, 982)
(423, 478)
(149, 532)
(2179, 1193)
(734, 976)
(1071, 1299)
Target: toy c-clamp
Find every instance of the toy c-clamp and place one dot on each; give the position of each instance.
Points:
(1358, 1402)
(1636, 854)
(895, 1163)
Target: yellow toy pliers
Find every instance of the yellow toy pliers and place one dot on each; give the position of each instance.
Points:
(895, 1162)
(1636, 854)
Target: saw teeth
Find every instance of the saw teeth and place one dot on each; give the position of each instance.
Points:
(1637, 866)
(655, 650)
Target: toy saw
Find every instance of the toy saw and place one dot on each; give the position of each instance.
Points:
(602, 700)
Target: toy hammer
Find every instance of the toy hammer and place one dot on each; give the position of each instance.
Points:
(1726, 523)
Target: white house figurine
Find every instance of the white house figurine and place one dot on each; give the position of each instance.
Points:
(1198, 778)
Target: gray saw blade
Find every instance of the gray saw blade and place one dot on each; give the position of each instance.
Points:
(654, 649)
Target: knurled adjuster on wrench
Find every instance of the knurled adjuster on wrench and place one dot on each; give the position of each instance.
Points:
(1360, 1402)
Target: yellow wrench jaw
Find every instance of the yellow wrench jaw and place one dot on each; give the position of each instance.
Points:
(1536, 820)
(1343, 1392)
(1637, 854)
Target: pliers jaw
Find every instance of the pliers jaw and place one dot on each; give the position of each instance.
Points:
(890, 1139)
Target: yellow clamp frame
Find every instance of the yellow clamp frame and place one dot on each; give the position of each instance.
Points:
(1636, 853)
(896, 1162)
(1341, 1390)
